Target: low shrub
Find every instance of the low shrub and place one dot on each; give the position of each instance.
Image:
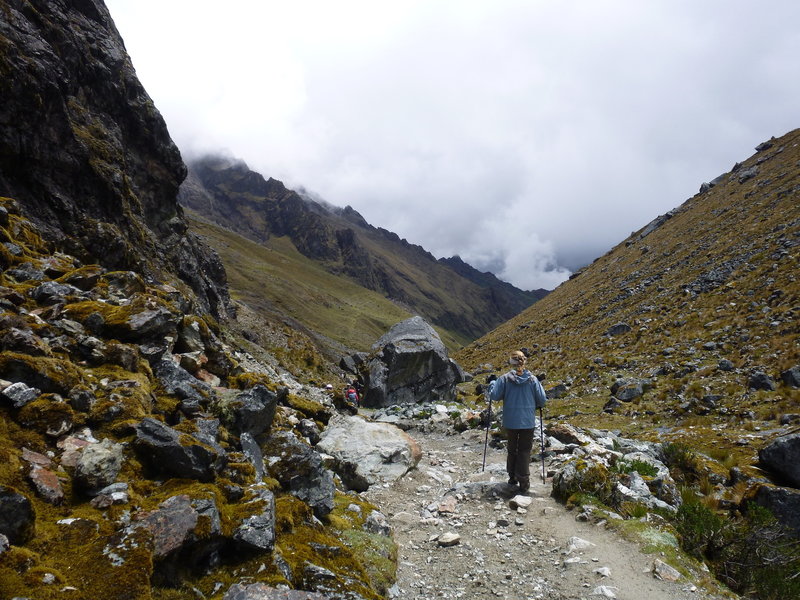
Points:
(753, 554)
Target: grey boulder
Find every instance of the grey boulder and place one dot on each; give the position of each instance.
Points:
(409, 364)
(782, 457)
(366, 453)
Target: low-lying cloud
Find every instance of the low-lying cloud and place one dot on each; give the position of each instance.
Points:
(526, 137)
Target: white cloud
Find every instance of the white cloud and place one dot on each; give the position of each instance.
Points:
(517, 133)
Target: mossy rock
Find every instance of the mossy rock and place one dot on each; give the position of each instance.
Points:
(302, 542)
(50, 375)
(48, 414)
(245, 381)
(310, 408)
(377, 553)
(123, 322)
(84, 278)
(583, 477)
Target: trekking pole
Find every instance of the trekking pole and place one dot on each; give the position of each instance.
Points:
(541, 430)
(488, 424)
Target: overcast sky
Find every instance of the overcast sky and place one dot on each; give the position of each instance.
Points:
(526, 136)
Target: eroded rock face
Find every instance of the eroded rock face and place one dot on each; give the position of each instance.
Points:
(86, 153)
(409, 365)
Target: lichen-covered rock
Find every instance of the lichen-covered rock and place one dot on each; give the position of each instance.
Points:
(254, 409)
(257, 532)
(16, 515)
(98, 466)
(627, 390)
(261, 591)
(173, 454)
(178, 381)
(20, 394)
(174, 525)
(299, 469)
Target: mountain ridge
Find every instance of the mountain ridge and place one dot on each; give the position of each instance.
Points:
(448, 292)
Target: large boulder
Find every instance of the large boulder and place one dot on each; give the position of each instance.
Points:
(366, 453)
(783, 502)
(782, 457)
(410, 364)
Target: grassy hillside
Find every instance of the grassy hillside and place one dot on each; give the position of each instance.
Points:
(714, 280)
(450, 295)
(274, 279)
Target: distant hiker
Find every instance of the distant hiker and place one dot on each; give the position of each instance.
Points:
(351, 395)
(521, 394)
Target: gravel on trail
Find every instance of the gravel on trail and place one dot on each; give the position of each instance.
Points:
(464, 533)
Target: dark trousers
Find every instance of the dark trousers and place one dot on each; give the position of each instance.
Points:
(520, 442)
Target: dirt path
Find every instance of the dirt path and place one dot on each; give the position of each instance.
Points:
(503, 552)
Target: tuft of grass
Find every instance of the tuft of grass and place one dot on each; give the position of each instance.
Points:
(643, 468)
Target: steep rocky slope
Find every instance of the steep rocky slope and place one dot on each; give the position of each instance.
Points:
(449, 293)
(148, 449)
(85, 152)
(687, 335)
(698, 303)
(144, 456)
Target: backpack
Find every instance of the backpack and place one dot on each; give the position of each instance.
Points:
(351, 394)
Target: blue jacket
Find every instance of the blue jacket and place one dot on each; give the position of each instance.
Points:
(521, 395)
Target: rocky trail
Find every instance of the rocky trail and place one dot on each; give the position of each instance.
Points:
(463, 533)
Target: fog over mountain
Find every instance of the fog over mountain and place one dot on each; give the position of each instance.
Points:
(525, 137)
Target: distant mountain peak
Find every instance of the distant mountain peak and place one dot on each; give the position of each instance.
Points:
(453, 295)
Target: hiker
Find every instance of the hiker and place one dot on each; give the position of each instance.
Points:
(352, 395)
(521, 394)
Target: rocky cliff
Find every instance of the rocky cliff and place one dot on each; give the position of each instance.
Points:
(143, 453)
(85, 152)
(448, 293)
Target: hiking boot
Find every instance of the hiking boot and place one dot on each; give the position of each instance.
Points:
(512, 481)
(524, 487)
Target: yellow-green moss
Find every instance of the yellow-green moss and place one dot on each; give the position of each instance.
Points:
(46, 413)
(310, 408)
(245, 381)
(47, 374)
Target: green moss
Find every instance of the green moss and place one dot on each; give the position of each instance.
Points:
(47, 413)
(48, 374)
(376, 553)
(245, 381)
(594, 478)
(310, 408)
(116, 319)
